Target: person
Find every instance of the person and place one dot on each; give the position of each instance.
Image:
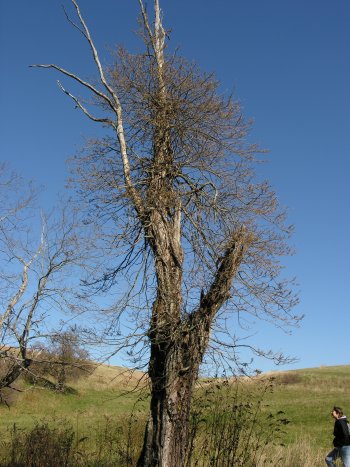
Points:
(341, 440)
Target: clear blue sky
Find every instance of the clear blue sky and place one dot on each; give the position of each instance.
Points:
(288, 63)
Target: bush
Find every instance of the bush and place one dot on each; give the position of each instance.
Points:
(231, 426)
(64, 361)
(114, 443)
(288, 378)
(40, 447)
(110, 443)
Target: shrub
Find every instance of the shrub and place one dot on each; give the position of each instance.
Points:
(39, 447)
(64, 361)
(114, 443)
(110, 443)
(288, 378)
(231, 426)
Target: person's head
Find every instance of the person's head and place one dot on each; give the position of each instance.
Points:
(337, 412)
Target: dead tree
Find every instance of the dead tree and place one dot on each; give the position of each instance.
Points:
(35, 280)
(194, 233)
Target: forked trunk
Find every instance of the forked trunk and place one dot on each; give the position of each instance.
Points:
(177, 349)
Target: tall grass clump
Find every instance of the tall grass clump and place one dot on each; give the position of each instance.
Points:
(232, 425)
(113, 442)
(39, 447)
(301, 453)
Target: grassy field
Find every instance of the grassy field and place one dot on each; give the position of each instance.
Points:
(107, 392)
(107, 396)
(307, 397)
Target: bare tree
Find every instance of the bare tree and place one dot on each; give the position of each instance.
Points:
(188, 228)
(38, 275)
(63, 359)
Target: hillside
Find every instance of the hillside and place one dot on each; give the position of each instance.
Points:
(107, 391)
(307, 397)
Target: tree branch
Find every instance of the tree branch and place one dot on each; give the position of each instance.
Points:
(79, 80)
(95, 55)
(219, 291)
(22, 288)
(86, 112)
(146, 22)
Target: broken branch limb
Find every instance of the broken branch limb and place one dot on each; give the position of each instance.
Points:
(84, 109)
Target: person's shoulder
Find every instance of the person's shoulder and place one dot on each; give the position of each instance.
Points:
(338, 423)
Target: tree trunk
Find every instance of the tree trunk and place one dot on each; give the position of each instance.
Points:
(13, 374)
(172, 379)
(173, 370)
(21, 364)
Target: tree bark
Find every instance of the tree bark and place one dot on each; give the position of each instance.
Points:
(166, 437)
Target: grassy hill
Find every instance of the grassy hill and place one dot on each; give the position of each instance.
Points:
(307, 397)
(107, 392)
(104, 400)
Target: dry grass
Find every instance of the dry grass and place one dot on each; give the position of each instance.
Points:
(109, 377)
(302, 453)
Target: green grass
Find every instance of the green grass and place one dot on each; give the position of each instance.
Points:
(306, 397)
(308, 401)
(96, 398)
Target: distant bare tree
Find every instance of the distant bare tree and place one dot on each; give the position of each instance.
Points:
(63, 359)
(35, 279)
(192, 237)
(70, 360)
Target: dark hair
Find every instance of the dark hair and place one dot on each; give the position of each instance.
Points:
(338, 410)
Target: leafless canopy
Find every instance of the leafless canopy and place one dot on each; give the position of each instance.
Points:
(191, 235)
(204, 180)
